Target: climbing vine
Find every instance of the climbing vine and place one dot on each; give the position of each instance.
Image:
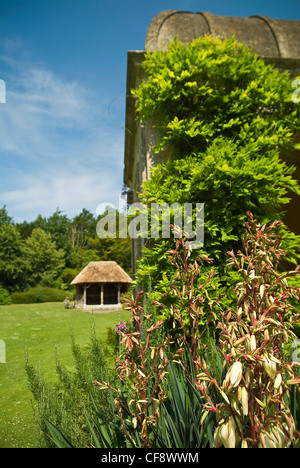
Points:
(225, 118)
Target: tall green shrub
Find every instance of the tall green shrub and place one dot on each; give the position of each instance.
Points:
(71, 401)
(226, 118)
(13, 264)
(5, 298)
(45, 262)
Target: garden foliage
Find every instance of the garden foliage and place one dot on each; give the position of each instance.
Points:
(38, 294)
(195, 389)
(251, 392)
(210, 365)
(5, 298)
(71, 401)
(50, 252)
(254, 336)
(225, 119)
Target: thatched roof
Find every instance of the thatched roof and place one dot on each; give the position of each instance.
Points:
(102, 272)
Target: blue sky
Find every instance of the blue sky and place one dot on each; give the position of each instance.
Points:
(64, 66)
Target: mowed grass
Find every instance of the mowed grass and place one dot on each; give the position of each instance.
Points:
(41, 329)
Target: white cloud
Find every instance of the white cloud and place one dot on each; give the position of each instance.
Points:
(46, 94)
(39, 108)
(70, 193)
(58, 146)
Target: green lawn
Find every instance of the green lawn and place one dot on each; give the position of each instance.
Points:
(40, 328)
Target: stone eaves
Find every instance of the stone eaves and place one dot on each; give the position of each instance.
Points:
(267, 37)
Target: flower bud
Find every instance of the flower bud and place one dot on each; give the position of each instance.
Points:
(252, 342)
(239, 394)
(217, 439)
(248, 344)
(235, 374)
(248, 377)
(235, 403)
(290, 428)
(278, 381)
(245, 401)
(281, 441)
(270, 441)
(227, 435)
(270, 367)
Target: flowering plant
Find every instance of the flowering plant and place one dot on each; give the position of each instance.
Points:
(254, 412)
(143, 367)
(250, 400)
(120, 327)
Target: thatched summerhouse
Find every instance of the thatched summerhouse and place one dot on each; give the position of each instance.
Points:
(100, 285)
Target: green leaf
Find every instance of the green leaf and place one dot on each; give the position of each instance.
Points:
(57, 437)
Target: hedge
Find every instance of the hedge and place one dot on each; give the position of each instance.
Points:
(40, 294)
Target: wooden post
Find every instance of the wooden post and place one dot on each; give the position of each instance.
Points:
(84, 295)
(102, 295)
(119, 293)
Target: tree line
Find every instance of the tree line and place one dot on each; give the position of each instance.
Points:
(52, 251)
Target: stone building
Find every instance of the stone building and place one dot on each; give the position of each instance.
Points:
(276, 41)
(100, 285)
